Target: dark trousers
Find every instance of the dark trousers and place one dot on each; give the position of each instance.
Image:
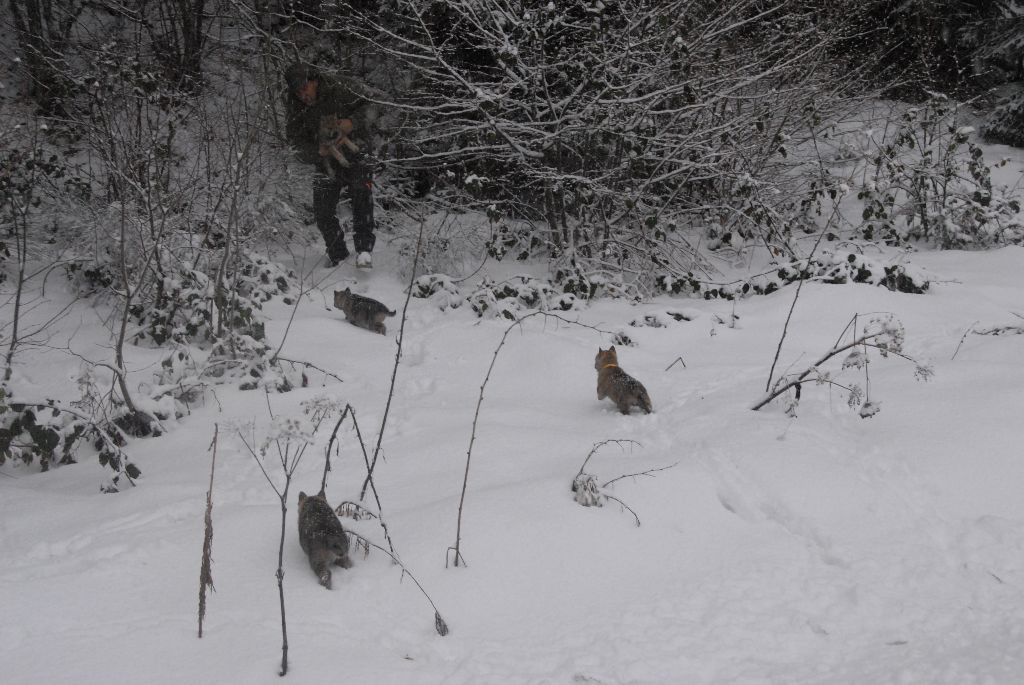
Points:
(358, 180)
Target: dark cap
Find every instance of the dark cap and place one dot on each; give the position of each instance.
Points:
(298, 74)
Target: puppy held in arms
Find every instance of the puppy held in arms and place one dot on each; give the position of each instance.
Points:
(332, 137)
(624, 390)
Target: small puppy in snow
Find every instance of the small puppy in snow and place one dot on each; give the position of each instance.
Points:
(362, 311)
(624, 390)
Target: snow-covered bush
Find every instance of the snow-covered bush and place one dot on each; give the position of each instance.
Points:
(589, 493)
(577, 277)
(586, 491)
(516, 240)
(509, 299)
(1006, 123)
(512, 297)
(930, 183)
(851, 267)
(883, 333)
(440, 289)
(828, 267)
(186, 308)
(663, 319)
(51, 433)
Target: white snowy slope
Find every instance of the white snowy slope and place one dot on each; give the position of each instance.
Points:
(821, 549)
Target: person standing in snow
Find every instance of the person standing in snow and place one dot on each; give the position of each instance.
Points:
(309, 99)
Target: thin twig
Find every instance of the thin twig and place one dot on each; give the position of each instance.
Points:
(360, 512)
(298, 300)
(259, 462)
(625, 506)
(205, 570)
(398, 360)
(311, 366)
(439, 623)
(599, 445)
(373, 485)
(679, 360)
(476, 417)
(472, 439)
(330, 443)
(800, 283)
(648, 472)
(867, 374)
(821, 360)
(1000, 330)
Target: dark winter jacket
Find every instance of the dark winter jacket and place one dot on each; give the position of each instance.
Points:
(302, 121)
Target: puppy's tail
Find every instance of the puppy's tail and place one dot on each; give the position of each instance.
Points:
(645, 401)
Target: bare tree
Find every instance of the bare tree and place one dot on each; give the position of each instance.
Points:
(177, 29)
(616, 129)
(17, 189)
(44, 29)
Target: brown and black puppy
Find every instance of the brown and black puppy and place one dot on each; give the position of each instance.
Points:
(332, 136)
(363, 311)
(624, 390)
(322, 538)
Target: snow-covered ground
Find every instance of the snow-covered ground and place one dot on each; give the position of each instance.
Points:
(824, 548)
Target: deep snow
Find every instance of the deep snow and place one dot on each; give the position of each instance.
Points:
(822, 549)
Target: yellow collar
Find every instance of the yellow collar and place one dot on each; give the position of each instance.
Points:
(610, 366)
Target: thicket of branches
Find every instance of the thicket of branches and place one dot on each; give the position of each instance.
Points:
(957, 47)
(614, 130)
(626, 141)
(139, 178)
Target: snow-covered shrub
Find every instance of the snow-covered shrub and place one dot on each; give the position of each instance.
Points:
(883, 333)
(518, 241)
(663, 319)
(1006, 123)
(586, 491)
(31, 433)
(828, 267)
(51, 433)
(90, 277)
(511, 297)
(240, 358)
(438, 288)
(622, 339)
(184, 309)
(687, 284)
(184, 306)
(842, 267)
(587, 285)
(181, 310)
(930, 183)
(260, 279)
(187, 309)
(180, 377)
